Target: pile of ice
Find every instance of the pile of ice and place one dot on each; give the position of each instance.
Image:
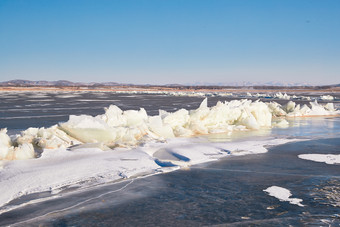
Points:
(32, 141)
(10, 152)
(118, 128)
(278, 95)
(283, 96)
(327, 97)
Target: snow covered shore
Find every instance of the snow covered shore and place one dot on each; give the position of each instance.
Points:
(60, 169)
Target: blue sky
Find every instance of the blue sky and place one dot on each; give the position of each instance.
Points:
(171, 41)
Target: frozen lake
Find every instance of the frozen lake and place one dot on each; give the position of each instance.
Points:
(229, 191)
(226, 192)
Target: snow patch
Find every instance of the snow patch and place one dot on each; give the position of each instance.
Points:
(326, 158)
(283, 194)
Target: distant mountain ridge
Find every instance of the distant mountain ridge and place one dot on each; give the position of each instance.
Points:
(57, 83)
(249, 84)
(66, 83)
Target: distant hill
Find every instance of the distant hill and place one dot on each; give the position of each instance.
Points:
(59, 83)
(250, 84)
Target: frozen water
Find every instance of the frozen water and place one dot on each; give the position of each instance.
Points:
(326, 158)
(283, 194)
(91, 149)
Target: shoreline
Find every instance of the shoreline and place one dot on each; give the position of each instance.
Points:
(333, 90)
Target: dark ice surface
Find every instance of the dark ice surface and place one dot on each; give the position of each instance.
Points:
(22, 110)
(224, 193)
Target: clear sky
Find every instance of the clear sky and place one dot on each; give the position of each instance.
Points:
(171, 41)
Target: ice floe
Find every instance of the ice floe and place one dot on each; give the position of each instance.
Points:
(283, 194)
(327, 97)
(326, 158)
